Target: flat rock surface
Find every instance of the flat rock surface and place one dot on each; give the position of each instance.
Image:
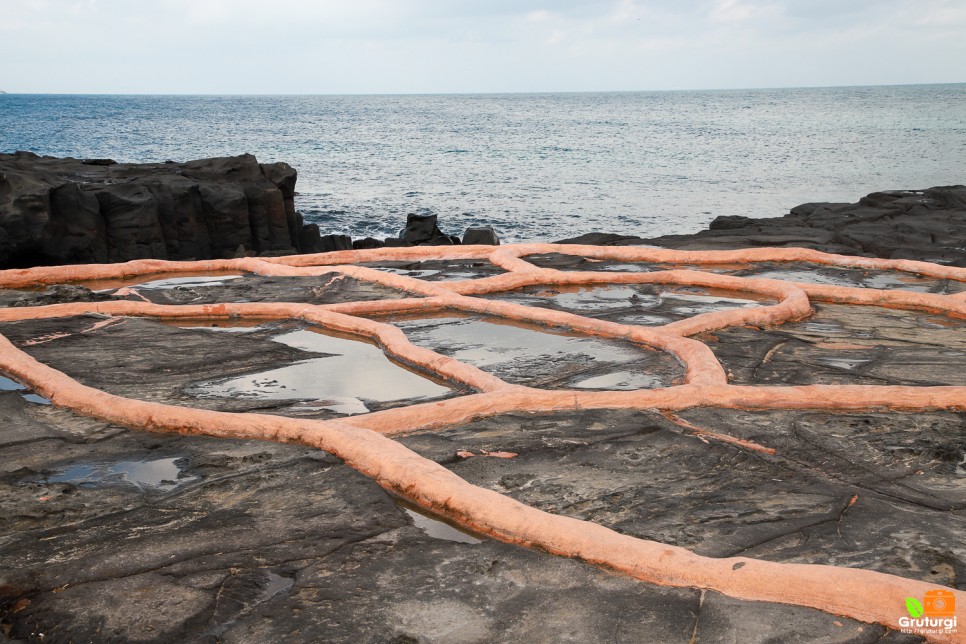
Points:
(113, 535)
(899, 224)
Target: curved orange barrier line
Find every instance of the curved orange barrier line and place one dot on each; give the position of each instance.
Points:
(389, 337)
(358, 441)
(638, 254)
(859, 594)
(699, 361)
(842, 398)
(906, 300)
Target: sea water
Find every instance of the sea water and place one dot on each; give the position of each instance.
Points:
(534, 166)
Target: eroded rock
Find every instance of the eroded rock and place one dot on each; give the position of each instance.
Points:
(65, 211)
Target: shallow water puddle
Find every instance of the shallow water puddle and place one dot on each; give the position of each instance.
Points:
(487, 343)
(807, 276)
(645, 297)
(36, 398)
(898, 281)
(351, 373)
(698, 303)
(417, 273)
(187, 282)
(621, 380)
(238, 325)
(853, 278)
(454, 272)
(7, 384)
(608, 297)
(438, 529)
(844, 363)
(276, 584)
(465, 275)
(162, 474)
(625, 268)
(541, 356)
(585, 298)
(162, 281)
(643, 319)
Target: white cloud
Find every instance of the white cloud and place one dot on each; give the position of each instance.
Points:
(333, 46)
(945, 16)
(737, 11)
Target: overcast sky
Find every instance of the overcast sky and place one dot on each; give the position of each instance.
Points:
(420, 46)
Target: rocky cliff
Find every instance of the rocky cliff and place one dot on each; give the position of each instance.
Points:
(66, 211)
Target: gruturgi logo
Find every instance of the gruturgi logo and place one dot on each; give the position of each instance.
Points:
(935, 615)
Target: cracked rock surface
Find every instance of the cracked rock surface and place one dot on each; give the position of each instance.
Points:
(115, 535)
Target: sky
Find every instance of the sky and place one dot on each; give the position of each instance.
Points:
(464, 46)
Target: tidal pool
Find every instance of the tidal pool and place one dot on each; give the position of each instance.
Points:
(164, 474)
(348, 375)
(542, 356)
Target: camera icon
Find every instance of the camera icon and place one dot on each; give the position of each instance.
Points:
(939, 603)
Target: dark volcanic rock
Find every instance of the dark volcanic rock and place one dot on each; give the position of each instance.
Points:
(899, 224)
(484, 235)
(368, 242)
(602, 239)
(65, 211)
(336, 242)
(310, 239)
(56, 294)
(421, 230)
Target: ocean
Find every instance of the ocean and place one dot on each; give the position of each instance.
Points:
(536, 167)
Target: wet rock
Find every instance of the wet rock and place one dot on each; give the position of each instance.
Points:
(440, 270)
(56, 294)
(483, 235)
(274, 542)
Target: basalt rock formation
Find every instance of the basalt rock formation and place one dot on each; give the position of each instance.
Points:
(897, 224)
(70, 211)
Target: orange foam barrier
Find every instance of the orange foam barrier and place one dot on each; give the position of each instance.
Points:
(860, 594)
(364, 441)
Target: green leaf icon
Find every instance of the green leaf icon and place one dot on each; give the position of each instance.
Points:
(914, 607)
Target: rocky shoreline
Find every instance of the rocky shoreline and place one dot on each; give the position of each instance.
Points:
(71, 211)
(841, 446)
(76, 211)
(928, 225)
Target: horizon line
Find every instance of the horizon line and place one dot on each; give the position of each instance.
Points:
(485, 93)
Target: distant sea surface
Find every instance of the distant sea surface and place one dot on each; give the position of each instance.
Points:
(536, 167)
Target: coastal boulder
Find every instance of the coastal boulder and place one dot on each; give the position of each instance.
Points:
(421, 230)
(336, 242)
(65, 211)
(366, 243)
(481, 235)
